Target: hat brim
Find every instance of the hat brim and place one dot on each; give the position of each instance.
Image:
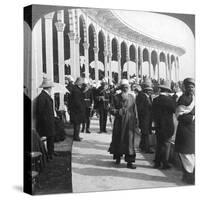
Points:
(148, 88)
(165, 87)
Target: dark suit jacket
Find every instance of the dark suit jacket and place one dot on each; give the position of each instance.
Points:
(144, 108)
(45, 115)
(163, 109)
(77, 106)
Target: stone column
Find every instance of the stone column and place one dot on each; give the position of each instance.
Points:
(176, 74)
(141, 62)
(166, 67)
(72, 54)
(170, 69)
(149, 63)
(49, 44)
(36, 66)
(158, 65)
(96, 50)
(106, 64)
(128, 70)
(136, 62)
(178, 69)
(110, 68)
(77, 56)
(61, 65)
(86, 47)
(119, 67)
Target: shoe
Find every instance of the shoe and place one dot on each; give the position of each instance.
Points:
(156, 166)
(131, 166)
(117, 162)
(149, 151)
(77, 139)
(166, 166)
(87, 131)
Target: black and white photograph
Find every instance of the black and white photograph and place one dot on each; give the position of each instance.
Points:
(111, 95)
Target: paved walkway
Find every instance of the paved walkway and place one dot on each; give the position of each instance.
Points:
(94, 170)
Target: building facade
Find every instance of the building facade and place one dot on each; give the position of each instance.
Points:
(93, 43)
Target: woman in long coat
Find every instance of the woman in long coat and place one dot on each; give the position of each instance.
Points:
(124, 110)
(185, 135)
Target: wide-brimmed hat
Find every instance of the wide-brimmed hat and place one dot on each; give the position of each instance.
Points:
(165, 85)
(189, 81)
(124, 82)
(46, 83)
(104, 81)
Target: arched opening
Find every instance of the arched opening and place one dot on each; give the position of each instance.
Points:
(123, 59)
(154, 60)
(101, 38)
(163, 74)
(67, 43)
(114, 63)
(132, 62)
(145, 65)
(81, 47)
(92, 33)
(173, 69)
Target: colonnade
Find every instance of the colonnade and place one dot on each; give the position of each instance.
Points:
(120, 53)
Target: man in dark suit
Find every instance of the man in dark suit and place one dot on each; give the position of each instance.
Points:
(88, 98)
(102, 97)
(45, 123)
(163, 109)
(144, 108)
(77, 107)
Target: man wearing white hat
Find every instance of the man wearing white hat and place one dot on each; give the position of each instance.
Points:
(124, 110)
(45, 123)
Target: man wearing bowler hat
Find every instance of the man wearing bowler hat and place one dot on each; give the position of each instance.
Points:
(45, 124)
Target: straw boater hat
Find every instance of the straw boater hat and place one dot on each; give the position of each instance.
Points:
(189, 81)
(166, 86)
(46, 83)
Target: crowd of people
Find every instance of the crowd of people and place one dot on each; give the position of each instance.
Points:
(142, 108)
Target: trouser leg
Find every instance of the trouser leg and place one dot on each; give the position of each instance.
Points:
(76, 131)
(101, 120)
(88, 119)
(50, 145)
(105, 114)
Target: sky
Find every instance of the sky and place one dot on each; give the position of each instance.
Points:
(167, 29)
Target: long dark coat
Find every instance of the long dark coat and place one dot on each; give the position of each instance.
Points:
(77, 106)
(185, 135)
(163, 110)
(124, 127)
(144, 109)
(45, 123)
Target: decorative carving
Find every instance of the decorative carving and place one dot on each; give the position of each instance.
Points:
(86, 45)
(60, 26)
(71, 35)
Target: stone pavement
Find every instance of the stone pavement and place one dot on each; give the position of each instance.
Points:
(94, 170)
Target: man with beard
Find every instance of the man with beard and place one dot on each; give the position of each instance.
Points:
(163, 110)
(185, 135)
(124, 110)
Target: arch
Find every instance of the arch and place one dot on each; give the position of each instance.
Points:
(82, 23)
(101, 45)
(154, 60)
(92, 28)
(132, 50)
(162, 70)
(124, 50)
(115, 47)
(145, 65)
